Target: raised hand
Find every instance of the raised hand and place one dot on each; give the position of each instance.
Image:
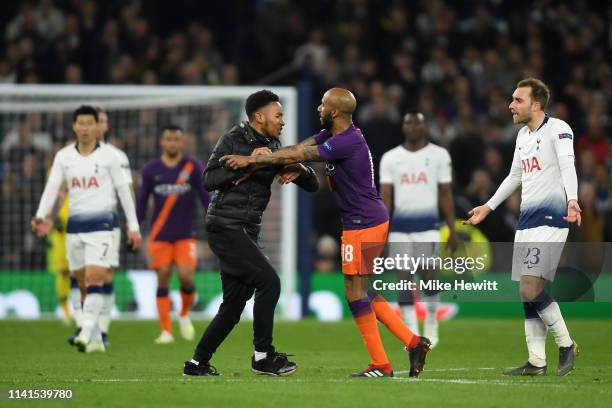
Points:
(477, 214)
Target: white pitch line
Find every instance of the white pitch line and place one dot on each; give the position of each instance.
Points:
(430, 370)
(462, 381)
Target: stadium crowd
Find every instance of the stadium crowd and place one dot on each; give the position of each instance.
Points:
(457, 63)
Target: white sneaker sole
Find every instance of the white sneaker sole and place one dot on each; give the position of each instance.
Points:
(255, 371)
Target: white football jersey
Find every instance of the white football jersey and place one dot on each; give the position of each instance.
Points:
(91, 181)
(415, 177)
(536, 158)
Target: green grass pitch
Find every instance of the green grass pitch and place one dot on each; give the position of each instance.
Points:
(463, 371)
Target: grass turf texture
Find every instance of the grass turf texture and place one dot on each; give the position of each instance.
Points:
(464, 371)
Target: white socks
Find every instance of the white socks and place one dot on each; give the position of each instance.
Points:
(535, 336)
(552, 318)
(431, 321)
(91, 312)
(260, 355)
(77, 307)
(410, 318)
(105, 312)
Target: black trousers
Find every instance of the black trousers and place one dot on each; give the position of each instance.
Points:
(244, 270)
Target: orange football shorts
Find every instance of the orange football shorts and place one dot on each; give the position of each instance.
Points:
(361, 246)
(162, 254)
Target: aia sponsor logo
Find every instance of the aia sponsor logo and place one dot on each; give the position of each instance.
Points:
(414, 178)
(84, 182)
(531, 165)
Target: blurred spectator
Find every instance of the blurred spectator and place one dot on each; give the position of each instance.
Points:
(494, 164)
(313, 53)
(327, 254)
(593, 223)
(595, 139)
(603, 188)
(73, 75)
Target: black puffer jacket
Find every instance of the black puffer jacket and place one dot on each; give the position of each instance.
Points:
(243, 205)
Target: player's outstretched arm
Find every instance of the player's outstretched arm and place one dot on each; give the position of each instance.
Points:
(286, 156)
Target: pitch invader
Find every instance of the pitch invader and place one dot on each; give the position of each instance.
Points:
(91, 173)
(415, 182)
(543, 165)
(175, 180)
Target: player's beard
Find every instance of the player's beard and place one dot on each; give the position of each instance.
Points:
(523, 119)
(327, 121)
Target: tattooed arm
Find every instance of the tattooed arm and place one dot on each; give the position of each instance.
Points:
(289, 155)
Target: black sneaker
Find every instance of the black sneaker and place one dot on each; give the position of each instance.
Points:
(417, 356)
(275, 364)
(527, 370)
(105, 340)
(566, 359)
(201, 369)
(72, 338)
(373, 372)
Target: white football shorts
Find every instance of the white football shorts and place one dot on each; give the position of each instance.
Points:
(415, 244)
(537, 252)
(115, 248)
(89, 248)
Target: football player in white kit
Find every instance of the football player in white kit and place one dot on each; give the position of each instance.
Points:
(92, 174)
(543, 165)
(415, 183)
(108, 289)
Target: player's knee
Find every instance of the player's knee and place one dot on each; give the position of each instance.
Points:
(229, 312)
(94, 276)
(163, 277)
(528, 293)
(352, 290)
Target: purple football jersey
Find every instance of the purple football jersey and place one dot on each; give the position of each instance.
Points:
(350, 172)
(175, 187)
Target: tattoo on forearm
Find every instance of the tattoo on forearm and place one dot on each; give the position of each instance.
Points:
(290, 155)
(309, 141)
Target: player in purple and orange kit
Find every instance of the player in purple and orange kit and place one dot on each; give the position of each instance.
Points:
(175, 180)
(350, 172)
